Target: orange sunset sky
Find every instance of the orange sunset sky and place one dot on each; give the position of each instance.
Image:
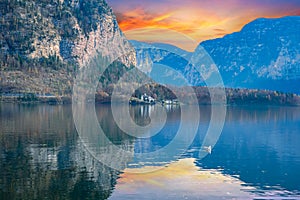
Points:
(154, 21)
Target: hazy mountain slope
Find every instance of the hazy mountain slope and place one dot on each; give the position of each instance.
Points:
(165, 63)
(264, 54)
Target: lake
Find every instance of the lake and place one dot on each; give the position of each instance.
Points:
(42, 156)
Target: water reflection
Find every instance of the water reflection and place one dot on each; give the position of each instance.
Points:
(260, 145)
(258, 154)
(41, 157)
(179, 180)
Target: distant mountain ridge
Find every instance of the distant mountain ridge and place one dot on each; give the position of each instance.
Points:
(156, 59)
(265, 54)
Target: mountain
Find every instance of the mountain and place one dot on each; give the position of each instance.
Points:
(165, 63)
(265, 54)
(43, 43)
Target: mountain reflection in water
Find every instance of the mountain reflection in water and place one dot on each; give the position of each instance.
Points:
(41, 156)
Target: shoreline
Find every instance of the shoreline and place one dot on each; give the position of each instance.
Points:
(67, 100)
(234, 97)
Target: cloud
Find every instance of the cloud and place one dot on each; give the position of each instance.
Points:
(219, 30)
(199, 19)
(138, 18)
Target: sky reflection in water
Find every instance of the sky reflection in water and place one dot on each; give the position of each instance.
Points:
(257, 155)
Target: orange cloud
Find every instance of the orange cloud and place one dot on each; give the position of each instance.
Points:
(138, 18)
(190, 25)
(199, 20)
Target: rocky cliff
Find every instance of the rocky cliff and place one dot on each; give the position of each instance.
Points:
(43, 43)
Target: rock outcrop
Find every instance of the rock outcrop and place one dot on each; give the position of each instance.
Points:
(43, 43)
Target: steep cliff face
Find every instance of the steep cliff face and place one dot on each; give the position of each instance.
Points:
(44, 42)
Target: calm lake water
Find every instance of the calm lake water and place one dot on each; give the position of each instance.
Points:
(42, 156)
